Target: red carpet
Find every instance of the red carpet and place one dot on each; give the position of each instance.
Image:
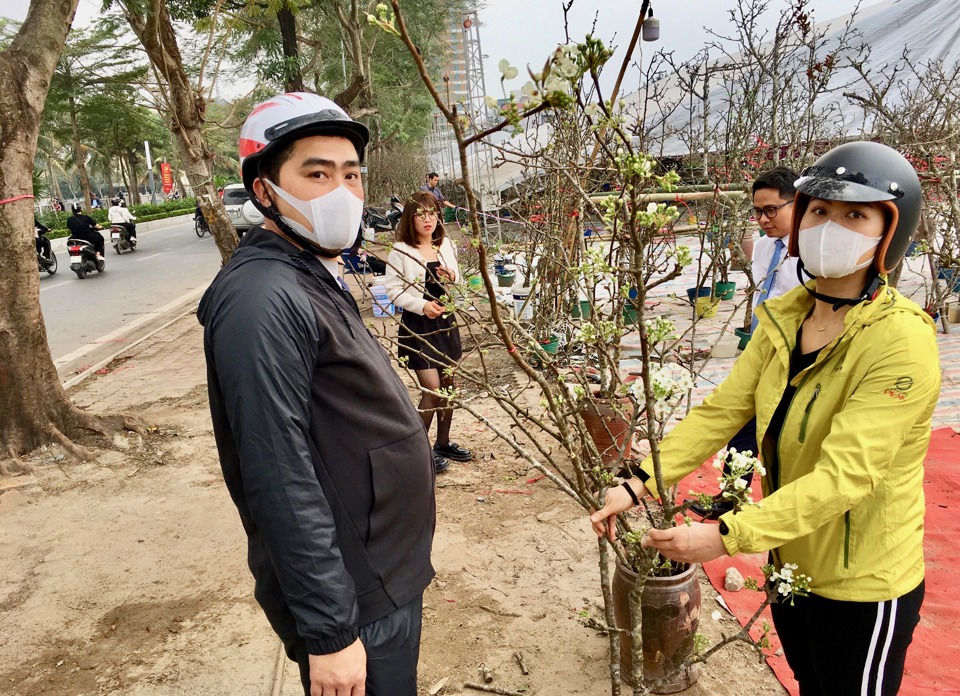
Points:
(933, 661)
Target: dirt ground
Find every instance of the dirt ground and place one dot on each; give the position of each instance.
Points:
(127, 575)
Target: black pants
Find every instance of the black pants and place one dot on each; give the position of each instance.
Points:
(840, 648)
(94, 238)
(744, 440)
(131, 228)
(393, 650)
(43, 246)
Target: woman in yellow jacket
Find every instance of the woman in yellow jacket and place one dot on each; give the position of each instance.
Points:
(843, 376)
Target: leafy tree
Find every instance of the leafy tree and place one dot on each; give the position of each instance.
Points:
(34, 409)
(91, 63)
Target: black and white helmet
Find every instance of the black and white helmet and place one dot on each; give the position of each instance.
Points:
(865, 172)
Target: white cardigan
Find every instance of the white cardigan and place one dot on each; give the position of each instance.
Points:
(406, 270)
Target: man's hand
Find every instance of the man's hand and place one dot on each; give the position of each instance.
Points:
(615, 501)
(341, 673)
(688, 543)
(432, 309)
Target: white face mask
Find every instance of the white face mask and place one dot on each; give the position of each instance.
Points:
(831, 250)
(335, 217)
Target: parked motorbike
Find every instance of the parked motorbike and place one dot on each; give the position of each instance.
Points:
(121, 239)
(396, 210)
(83, 258)
(44, 263)
(373, 219)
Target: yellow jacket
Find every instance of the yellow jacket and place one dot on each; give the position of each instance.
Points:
(848, 504)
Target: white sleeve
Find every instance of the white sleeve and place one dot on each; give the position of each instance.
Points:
(402, 289)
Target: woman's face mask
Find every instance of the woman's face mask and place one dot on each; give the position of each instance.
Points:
(831, 250)
(334, 217)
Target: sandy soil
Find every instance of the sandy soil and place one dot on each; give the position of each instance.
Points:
(127, 575)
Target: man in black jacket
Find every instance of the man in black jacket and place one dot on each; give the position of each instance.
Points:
(321, 448)
(85, 227)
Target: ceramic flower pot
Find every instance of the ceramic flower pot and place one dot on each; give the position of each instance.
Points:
(670, 609)
(608, 428)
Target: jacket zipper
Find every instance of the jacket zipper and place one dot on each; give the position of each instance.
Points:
(806, 413)
(846, 539)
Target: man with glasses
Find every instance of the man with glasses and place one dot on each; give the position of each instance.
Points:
(774, 272)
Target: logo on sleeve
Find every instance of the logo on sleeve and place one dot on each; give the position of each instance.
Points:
(900, 388)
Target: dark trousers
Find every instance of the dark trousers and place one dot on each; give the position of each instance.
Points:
(744, 440)
(43, 246)
(840, 648)
(131, 228)
(393, 650)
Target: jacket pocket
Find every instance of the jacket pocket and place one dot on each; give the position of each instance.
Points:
(846, 539)
(806, 413)
(403, 503)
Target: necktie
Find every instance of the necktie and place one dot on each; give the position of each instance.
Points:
(767, 284)
(343, 284)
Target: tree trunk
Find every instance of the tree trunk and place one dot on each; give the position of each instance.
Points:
(292, 76)
(34, 410)
(78, 151)
(155, 31)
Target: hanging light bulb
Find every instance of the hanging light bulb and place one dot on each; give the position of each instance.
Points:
(651, 27)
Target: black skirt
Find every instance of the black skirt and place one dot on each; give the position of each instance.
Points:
(429, 343)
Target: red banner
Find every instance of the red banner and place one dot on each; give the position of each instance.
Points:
(166, 176)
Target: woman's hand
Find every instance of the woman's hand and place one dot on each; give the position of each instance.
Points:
(688, 543)
(432, 309)
(615, 501)
(446, 272)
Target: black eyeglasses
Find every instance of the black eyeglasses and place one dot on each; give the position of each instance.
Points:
(422, 214)
(769, 210)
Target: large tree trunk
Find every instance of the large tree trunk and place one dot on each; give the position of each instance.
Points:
(78, 153)
(155, 31)
(34, 410)
(292, 76)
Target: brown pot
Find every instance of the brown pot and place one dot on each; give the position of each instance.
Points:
(670, 609)
(608, 429)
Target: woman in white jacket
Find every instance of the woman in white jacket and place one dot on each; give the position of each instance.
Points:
(421, 264)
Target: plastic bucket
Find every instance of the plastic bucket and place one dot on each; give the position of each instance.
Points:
(521, 302)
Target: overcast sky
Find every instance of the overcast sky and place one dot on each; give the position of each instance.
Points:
(526, 31)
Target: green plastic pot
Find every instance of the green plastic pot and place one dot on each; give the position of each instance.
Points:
(725, 290)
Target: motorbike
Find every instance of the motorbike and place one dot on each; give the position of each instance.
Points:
(83, 258)
(121, 239)
(45, 263)
(396, 210)
(373, 219)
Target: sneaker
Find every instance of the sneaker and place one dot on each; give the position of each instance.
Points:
(440, 464)
(453, 451)
(713, 511)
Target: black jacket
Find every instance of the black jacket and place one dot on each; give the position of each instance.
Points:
(321, 448)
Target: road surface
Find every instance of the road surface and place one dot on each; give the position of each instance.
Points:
(88, 320)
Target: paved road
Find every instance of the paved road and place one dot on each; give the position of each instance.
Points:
(88, 320)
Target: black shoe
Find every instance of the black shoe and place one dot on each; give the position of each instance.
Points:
(453, 451)
(713, 511)
(440, 464)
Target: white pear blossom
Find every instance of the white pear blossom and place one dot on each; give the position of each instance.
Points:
(508, 71)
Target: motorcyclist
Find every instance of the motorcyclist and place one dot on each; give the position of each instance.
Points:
(43, 244)
(119, 214)
(85, 227)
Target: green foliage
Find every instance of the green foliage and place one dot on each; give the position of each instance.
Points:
(144, 212)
